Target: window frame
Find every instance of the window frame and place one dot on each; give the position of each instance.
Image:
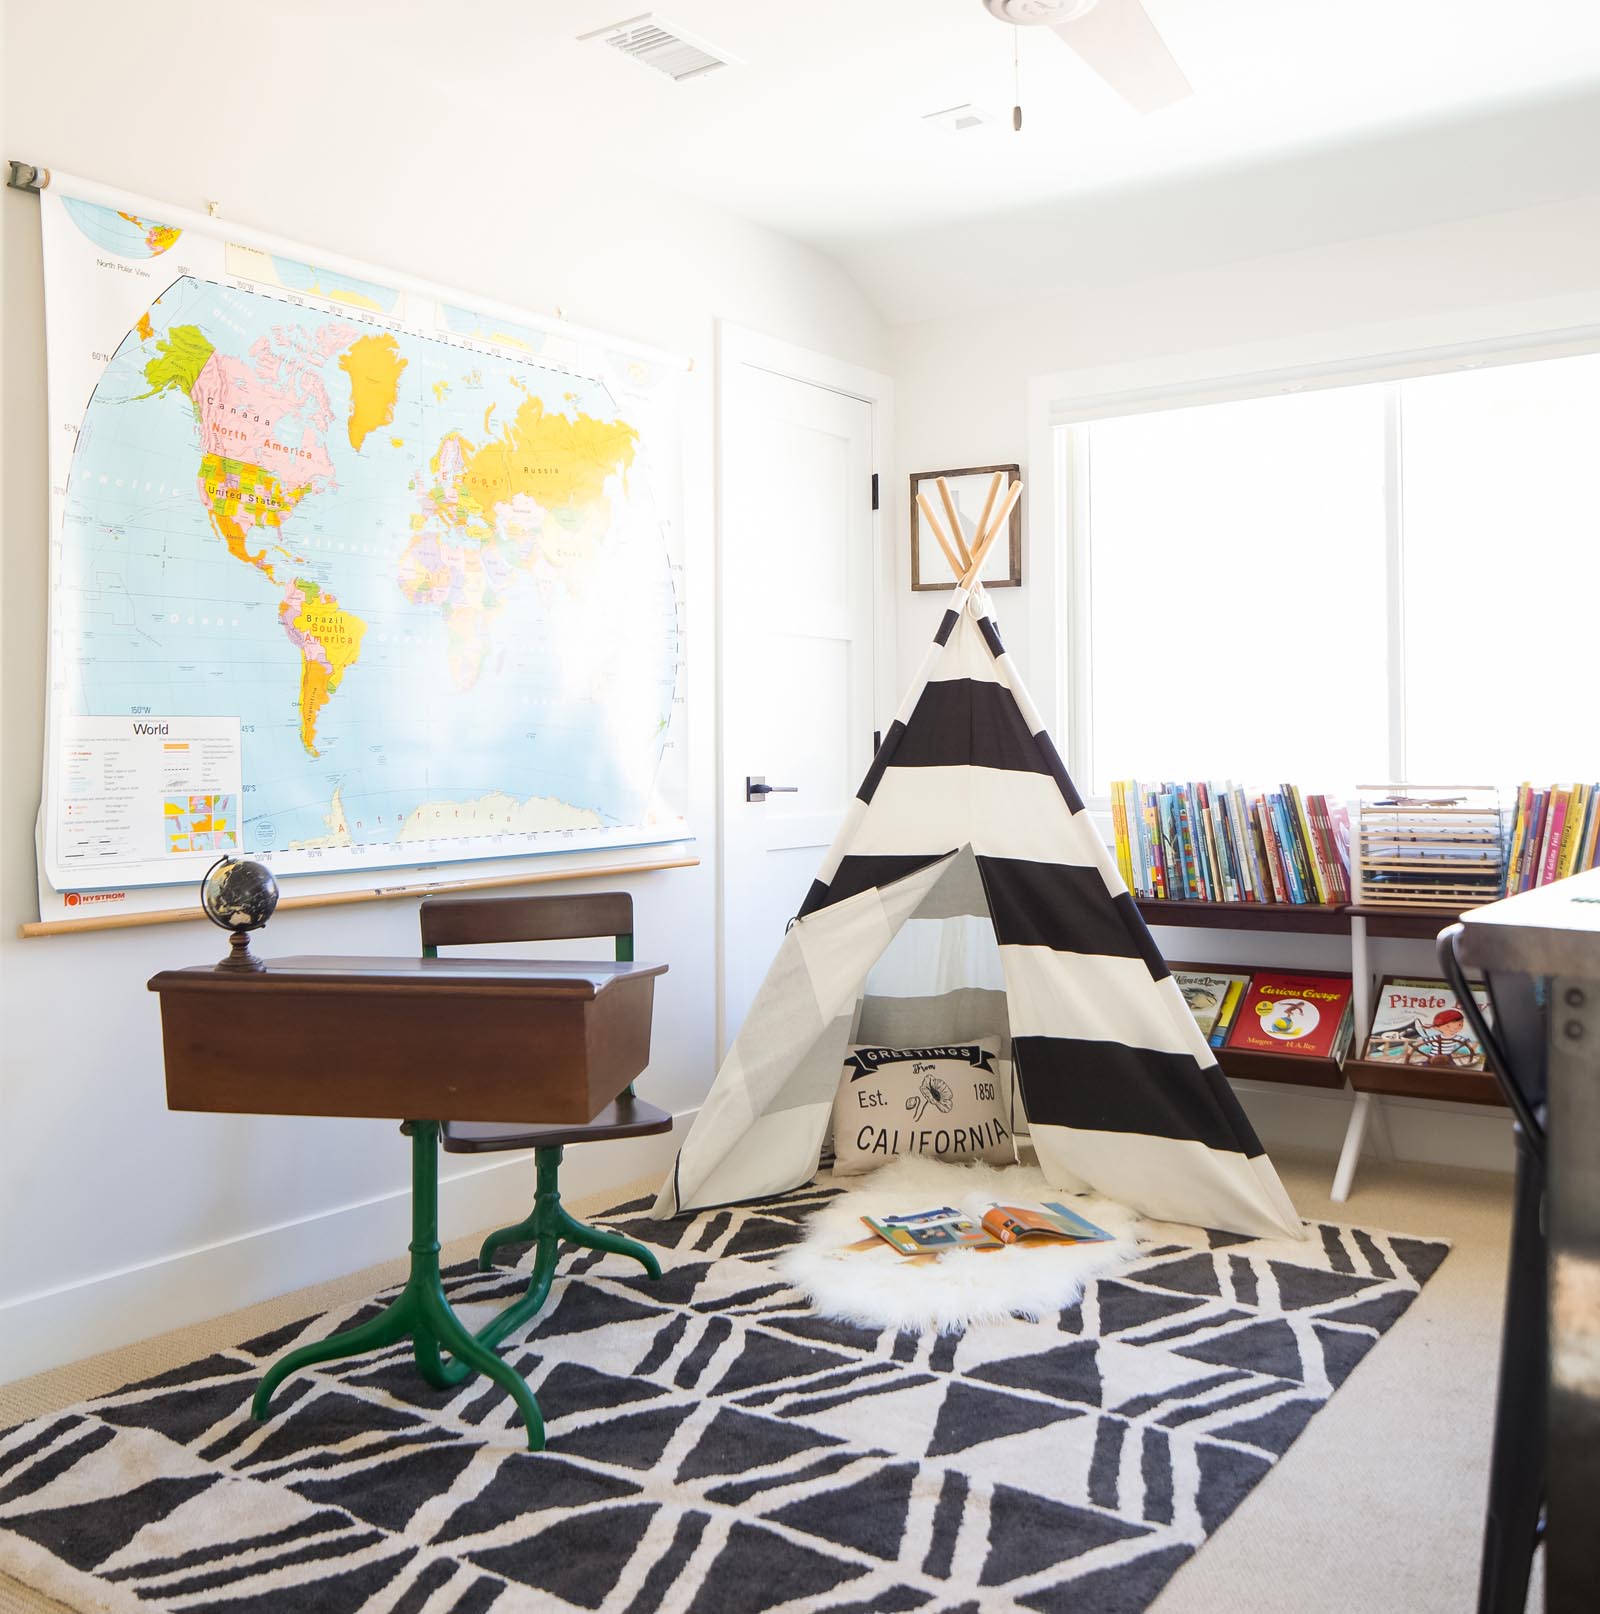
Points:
(1062, 404)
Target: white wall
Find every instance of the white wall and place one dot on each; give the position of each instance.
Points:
(962, 386)
(121, 1218)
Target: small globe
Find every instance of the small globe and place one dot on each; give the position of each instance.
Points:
(238, 895)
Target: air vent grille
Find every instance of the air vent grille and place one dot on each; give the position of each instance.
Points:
(659, 44)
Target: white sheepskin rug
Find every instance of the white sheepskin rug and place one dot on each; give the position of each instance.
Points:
(881, 1288)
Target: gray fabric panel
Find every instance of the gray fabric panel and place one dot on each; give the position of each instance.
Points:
(957, 1016)
(782, 1021)
(959, 891)
(815, 1080)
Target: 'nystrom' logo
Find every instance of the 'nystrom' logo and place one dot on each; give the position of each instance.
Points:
(76, 899)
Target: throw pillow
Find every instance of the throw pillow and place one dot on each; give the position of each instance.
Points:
(947, 1102)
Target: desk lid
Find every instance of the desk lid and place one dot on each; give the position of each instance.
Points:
(522, 977)
(1552, 930)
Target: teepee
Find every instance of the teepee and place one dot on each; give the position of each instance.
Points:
(966, 894)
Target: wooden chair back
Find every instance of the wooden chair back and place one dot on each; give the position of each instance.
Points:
(480, 921)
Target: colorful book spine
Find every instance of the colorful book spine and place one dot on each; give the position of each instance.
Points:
(1518, 824)
(1269, 841)
(1292, 873)
(1133, 813)
(1186, 845)
(1318, 884)
(1152, 830)
(1119, 831)
(1171, 846)
(1555, 826)
(1577, 806)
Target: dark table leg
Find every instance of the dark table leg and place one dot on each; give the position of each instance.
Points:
(421, 1312)
(1516, 1467)
(1572, 1211)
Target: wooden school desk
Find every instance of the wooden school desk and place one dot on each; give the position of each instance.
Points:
(414, 1040)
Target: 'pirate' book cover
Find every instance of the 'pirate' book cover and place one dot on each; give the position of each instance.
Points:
(1293, 1012)
(1419, 1022)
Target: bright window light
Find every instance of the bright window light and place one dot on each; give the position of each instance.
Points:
(1502, 572)
(1237, 620)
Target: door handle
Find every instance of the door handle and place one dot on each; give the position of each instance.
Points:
(757, 789)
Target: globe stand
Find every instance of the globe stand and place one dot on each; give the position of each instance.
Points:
(239, 956)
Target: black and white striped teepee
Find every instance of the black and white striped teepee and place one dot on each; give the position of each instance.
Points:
(966, 894)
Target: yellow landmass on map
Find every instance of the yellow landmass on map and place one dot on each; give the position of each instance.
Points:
(145, 329)
(373, 364)
(330, 643)
(554, 459)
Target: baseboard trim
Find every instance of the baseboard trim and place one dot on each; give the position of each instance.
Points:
(52, 1327)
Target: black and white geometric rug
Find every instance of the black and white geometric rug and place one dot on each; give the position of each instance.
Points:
(714, 1448)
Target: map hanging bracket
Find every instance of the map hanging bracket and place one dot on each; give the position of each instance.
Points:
(26, 176)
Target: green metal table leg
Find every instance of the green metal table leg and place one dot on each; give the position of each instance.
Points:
(419, 1312)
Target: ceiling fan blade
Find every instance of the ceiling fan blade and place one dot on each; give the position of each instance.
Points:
(1119, 41)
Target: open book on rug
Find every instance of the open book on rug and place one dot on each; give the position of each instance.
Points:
(930, 1232)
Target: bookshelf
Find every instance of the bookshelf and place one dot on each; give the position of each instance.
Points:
(1369, 1080)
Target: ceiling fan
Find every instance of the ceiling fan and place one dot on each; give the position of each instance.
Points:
(1115, 37)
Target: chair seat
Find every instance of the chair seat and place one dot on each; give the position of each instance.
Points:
(628, 1117)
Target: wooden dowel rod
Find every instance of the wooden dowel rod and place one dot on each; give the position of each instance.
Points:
(981, 550)
(340, 899)
(955, 523)
(938, 532)
(988, 504)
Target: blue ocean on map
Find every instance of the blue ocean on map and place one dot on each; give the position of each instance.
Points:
(562, 697)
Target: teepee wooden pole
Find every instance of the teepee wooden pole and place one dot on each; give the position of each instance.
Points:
(988, 504)
(938, 532)
(955, 522)
(980, 550)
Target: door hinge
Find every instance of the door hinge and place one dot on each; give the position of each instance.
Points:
(874, 490)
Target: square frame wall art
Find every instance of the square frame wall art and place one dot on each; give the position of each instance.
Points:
(969, 487)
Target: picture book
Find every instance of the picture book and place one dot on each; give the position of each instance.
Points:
(931, 1232)
(1419, 1022)
(1206, 993)
(1294, 1012)
(1230, 1011)
(1011, 1224)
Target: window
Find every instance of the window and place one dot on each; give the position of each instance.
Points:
(1396, 580)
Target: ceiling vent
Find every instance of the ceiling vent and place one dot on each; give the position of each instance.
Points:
(657, 43)
(958, 119)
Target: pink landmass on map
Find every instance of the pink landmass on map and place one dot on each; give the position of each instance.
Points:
(243, 417)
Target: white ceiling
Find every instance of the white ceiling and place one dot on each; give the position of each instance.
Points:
(818, 132)
(820, 135)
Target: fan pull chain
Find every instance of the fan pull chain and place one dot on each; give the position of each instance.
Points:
(1016, 82)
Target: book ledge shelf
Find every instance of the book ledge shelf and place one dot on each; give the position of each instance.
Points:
(1368, 1079)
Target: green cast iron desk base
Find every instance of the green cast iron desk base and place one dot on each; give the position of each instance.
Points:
(422, 1314)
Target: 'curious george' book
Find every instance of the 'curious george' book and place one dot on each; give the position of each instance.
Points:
(1292, 1012)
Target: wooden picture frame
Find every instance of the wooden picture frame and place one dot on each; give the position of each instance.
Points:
(969, 486)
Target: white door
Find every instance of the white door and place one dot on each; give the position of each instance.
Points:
(797, 648)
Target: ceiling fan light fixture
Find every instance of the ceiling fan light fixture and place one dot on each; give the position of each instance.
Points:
(1039, 13)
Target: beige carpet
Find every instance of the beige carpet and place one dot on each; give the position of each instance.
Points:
(1379, 1505)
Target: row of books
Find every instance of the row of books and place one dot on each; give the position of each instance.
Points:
(1415, 1020)
(1271, 1011)
(1218, 843)
(1554, 833)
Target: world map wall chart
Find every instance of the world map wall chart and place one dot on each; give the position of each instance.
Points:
(343, 577)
